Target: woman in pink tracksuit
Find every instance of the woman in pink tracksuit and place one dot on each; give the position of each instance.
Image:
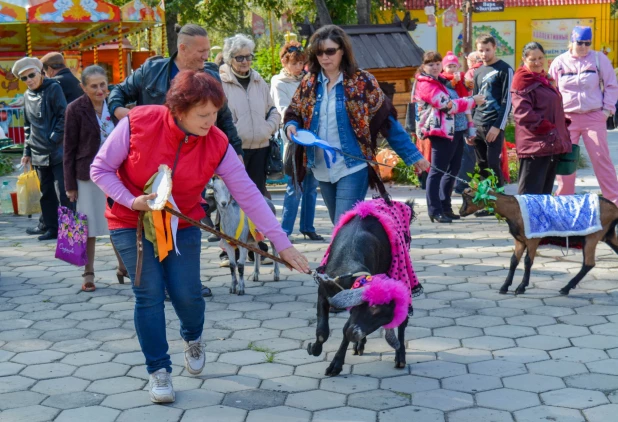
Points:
(580, 73)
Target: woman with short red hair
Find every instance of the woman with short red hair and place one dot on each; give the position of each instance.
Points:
(182, 135)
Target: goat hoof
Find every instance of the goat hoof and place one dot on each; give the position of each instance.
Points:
(232, 290)
(241, 293)
(520, 291)
(503, 291)
(333, 370)
(276, 278)
(564, 292)
(400, 365)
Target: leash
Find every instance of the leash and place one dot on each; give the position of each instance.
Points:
(459, 179)
(321, 277)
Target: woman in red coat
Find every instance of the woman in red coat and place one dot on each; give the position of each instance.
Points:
(540, 126)
(182, 135)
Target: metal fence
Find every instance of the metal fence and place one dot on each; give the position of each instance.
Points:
(12, 123)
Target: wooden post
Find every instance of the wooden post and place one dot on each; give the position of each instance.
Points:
(95, 54)
(272, 42)
(163, 38)
(467, 30)
(28, 39)
(150, 46)
(120, 54)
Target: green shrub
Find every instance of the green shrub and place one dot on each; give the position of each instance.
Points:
(6, 165)
(263, 65)
(405, 175)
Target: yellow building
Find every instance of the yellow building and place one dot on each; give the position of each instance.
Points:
(547, 21)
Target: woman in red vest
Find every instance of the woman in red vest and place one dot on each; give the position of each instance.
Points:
(182, 135)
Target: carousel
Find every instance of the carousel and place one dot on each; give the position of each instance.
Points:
(86, 32)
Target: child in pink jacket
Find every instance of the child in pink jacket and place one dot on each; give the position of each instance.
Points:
(589, 89)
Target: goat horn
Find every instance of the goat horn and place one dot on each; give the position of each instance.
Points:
(391, 338)
(347, 298)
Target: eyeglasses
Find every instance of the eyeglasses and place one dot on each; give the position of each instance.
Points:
(294, 49)
(248, 57)
(329, 52)
(586, 43)
(30, 76)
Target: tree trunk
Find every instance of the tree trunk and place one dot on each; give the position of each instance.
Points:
(363, 11)
(323, 13)
(171, 19)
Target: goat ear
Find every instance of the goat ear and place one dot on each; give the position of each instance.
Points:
(347, 298)
(391, 338)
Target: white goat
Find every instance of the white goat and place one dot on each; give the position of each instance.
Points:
(230, 217)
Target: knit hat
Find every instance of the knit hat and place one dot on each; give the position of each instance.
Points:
(26, 63)
(450, 58)
(581, 33)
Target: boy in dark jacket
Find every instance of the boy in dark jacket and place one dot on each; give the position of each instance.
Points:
(493, 80)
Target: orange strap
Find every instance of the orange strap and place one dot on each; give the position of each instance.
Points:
(157, 219)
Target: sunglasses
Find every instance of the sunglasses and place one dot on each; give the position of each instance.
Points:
(30, 76)
(586, 43)
(241, 59)
(294, 49)
(329, 52)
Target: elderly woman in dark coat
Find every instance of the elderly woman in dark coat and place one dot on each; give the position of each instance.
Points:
(541, 132)
(88, 124)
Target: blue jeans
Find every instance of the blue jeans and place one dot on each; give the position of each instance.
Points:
(446, 156)
(307, 209)
(468, 161)
(180, 275)
(341, 197)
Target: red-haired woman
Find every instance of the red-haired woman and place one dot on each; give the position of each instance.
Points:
(182, 135)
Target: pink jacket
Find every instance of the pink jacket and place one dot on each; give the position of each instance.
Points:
(577, 80)
(433, 117)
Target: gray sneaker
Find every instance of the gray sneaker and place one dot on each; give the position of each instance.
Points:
(195, 356)
(161, 387)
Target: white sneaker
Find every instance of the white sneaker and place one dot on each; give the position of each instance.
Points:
(161, 388)
(195, 356)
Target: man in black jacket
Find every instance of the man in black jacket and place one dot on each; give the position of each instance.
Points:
(149, 84)
(55, 68)
(44, 107)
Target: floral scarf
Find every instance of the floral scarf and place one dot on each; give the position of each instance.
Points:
(367, 107)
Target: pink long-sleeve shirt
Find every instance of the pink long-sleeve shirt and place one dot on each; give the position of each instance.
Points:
(577, 80)
(115, 151)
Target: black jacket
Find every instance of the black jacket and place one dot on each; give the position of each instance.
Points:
(149, 84)
(44, 123)
(69, 84)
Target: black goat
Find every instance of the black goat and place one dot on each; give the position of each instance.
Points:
(360, 247)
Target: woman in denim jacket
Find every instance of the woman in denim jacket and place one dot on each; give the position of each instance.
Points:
(345, 107)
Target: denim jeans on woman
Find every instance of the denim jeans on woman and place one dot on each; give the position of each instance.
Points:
(446, 156)
(180, 275)
(307, 209)
(340, 197)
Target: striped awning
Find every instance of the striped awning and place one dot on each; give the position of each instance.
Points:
(444, 4)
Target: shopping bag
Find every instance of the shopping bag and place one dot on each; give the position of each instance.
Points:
(72, 237)
(28, 193)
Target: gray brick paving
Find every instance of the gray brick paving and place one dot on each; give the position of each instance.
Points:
(473, 355)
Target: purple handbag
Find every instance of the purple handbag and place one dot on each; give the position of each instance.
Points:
(72, 237)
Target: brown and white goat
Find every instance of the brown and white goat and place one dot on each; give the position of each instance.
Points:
(508, 207)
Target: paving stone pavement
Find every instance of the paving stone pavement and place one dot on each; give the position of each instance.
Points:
(473, 355)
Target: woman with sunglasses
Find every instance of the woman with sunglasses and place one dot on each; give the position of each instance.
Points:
(589, 89)
(282, 89)
(44, 107)
(345, 107)
(253, 110)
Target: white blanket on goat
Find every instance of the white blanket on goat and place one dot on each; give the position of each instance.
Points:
(562, 216)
